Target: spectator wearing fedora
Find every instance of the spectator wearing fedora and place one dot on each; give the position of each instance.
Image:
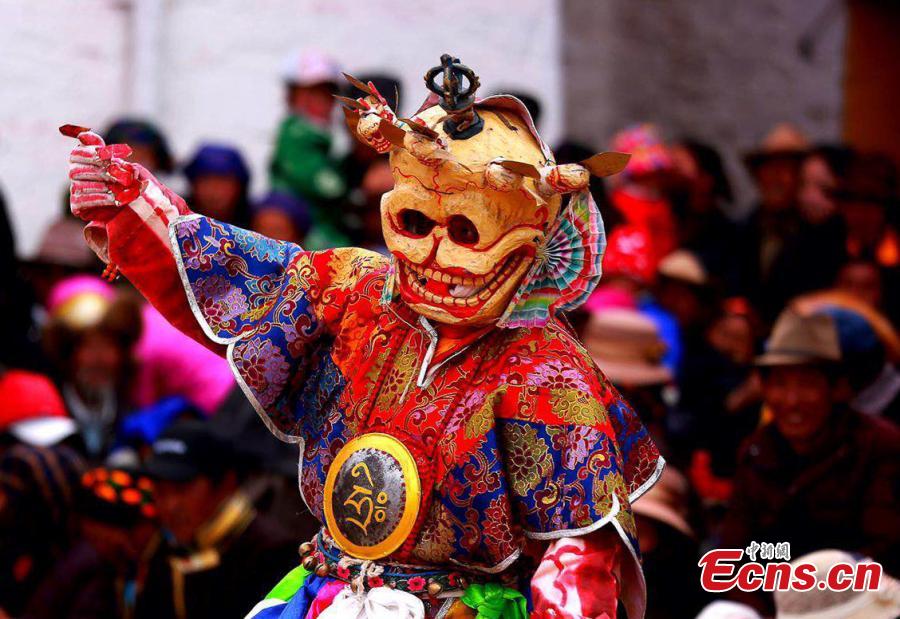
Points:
(820, 474)
(775, 168)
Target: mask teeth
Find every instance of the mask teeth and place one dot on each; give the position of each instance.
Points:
(493, 281)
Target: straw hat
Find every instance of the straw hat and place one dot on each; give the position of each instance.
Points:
(783, 141)
(826, 604)
(667, 501)
(801, 340)
(683, 265)
(627, 347)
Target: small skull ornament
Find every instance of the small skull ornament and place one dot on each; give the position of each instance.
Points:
(465, 234)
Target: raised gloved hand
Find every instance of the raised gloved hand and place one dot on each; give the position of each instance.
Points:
(103, 182)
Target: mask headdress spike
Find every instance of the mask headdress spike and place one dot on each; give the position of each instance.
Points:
(606, 164)
(370, 117)
(394, 134)
(417, 127)
(520, 167)
(347, 102)
(359, 84)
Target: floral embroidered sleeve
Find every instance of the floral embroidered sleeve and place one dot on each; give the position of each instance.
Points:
(576, 457)
(270, 307)
(276, 307)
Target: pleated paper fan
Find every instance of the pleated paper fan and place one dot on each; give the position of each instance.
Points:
(567, 269)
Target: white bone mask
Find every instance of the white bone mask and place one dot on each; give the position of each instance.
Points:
(464, 232)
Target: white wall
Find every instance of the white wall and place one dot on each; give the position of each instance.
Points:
(64, 61)
(59, 62)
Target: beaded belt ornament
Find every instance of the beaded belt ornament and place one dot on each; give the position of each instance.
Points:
(322, 557)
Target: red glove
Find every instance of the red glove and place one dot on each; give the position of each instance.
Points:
(103, 183)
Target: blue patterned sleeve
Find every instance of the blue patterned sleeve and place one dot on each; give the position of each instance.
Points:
(259, 297)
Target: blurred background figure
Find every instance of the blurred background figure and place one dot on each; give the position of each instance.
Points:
(774, 218)
(215, 535)
(821, 170)
(626, 345)
(90, 337)
(722, 395)
(639, 193)
(867, 200)
(218, 184)
(103, 574)
(668, 547)
(862, 279)
(37, 516)
(303, 163)
(148, 145)
(865, 196)
(112, 353)
(282, 216)
(811, 254)
(684, 290)
(702, 198)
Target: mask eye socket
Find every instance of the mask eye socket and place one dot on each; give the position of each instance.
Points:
(462, 230)
(415, 223)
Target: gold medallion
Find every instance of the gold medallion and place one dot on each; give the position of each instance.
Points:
(372, 496)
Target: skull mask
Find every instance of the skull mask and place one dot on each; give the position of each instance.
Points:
(476, 201)
(464, 230)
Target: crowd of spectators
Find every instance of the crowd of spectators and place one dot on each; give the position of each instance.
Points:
(761, 351)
